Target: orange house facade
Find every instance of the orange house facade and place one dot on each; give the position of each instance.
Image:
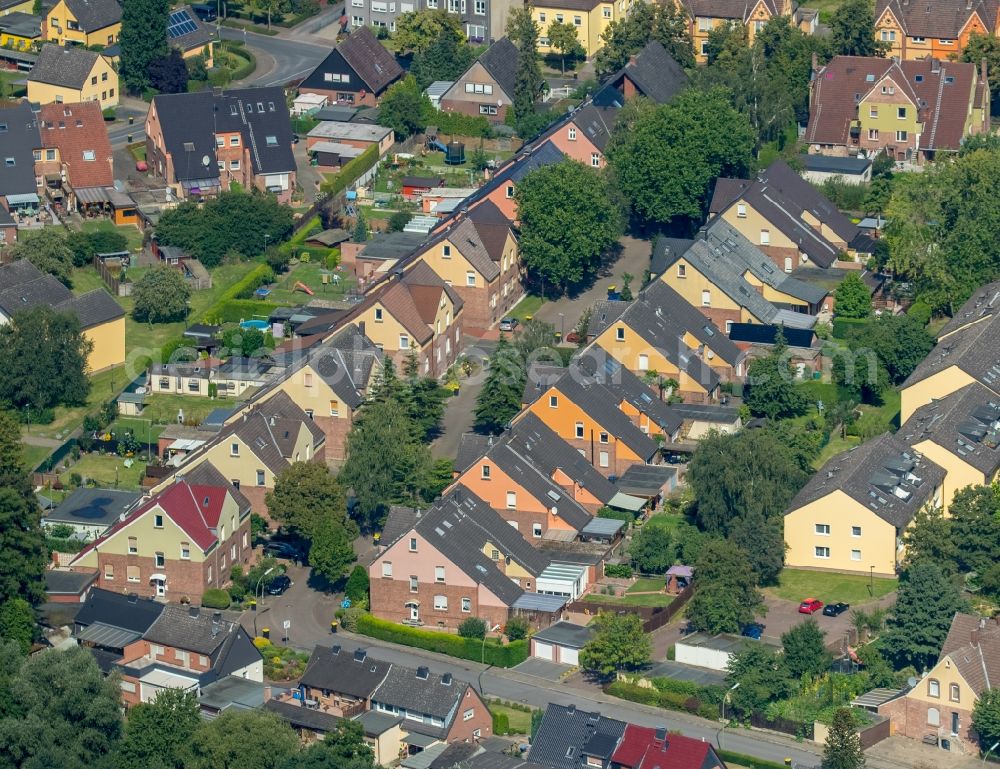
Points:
(939, 29)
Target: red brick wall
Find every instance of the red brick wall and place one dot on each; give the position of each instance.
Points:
(472, 108)
(462, 730)
(389, 596)
(909, 718)
(720, 316)
(335, 429)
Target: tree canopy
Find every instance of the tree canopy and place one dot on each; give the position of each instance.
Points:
(142, 40)
(986, 717)
(725, 594)
(854, 298)
(523, 32)
(618, 643)
(665, 23)
(569, 220)
(852, 30)
(762, 677)
(499, 400)
(160, 296)
(771, 387)
(157, 731)
(804, 647)
(48, 250)
(652, 548)
(405, 108)
(446, 58)
(666, 158)
(241, 739)
(843, 744)
(419, 31)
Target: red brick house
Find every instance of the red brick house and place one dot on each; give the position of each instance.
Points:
(76, 152)
(181, 542)
(486, 88)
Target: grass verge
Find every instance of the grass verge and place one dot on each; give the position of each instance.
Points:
(797, 584)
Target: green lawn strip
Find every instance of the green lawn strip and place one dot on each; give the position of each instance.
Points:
(143, 428)
(647, 585)
(86, 279)
(520, 720)
(798, 584)
(649, 599)
(132, 235)
(103, 387)
(105, 469)
(527, 307)
(309, 273)
(162, 408)
(32, 456)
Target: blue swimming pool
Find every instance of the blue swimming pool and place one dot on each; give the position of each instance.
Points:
(263, 325)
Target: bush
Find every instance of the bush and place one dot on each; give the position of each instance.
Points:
(357, 584)
(846, 328)
(517, 628)
(215, 598)
(920, 312)
(349, 620)
(351, 171)
(673, 695)
(444, 643)
(235, 310)
(620, 570)
(501, 723)
(457, 124)
(473, 627)
(748, 761)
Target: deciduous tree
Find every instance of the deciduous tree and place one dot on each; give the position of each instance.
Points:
(665, 23)
(48, 251)
(930, 538)
(805, 650)
(852, 30)
(563, 37)
(854, 298)
(17, 623)
(304, 494)
(418, 31)
(157, 731)
(142, 40)
(618, 643)
(444, 59)
(169, 73)
(241, 739)
(160, 296)
(761, 675)
(986, 717)
(652, 549)
(771, 387)
(523, 33)
(725, 592)
(405, 108)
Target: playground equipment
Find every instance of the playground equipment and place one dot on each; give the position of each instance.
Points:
(454, 154)
(300, 286)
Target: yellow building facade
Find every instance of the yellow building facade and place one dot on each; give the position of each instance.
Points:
(63, 26)
(109, 345)
(590, 17)
(100, 85)
(16, 7)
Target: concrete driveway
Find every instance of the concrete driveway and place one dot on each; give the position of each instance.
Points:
(544, 669)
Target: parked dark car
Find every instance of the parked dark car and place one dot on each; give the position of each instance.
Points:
(279, 585)
(754, 630)
(835, 609)
(285, 550)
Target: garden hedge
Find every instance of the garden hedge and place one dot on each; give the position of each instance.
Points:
(235, 310)
(226, 305)
(670, 700)
(748, 761)
(353, 170)
(444, 643)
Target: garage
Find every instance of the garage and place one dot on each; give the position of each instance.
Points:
(561, 642)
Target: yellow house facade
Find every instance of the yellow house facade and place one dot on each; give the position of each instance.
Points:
(109, 344)
(85, 23)
(852, 514)
(19, 32)
(590, 17)
(68, 75)
(706, 16)
(16, 6)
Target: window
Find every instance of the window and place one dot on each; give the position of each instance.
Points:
(704, 48)
(620, 333)
(133, 545)
(156, 650)
(466, 604)
(873, 111)
(432, 4)
(159, 560)
(729, 327)
(439, 573)
(511, 500)
(480, 7)
(234, 141)
(234, 165)
(559, 18)
(37, 154)
(9, 162)
(271, 141)
(822, 552)
(577, 21)
(386, 568)
(888, 35)
(607, 13)
(603, 437)
(185, 551)
(595, 159)
(953, 693)
(510, 189)
(441, 602)
(901, 113)
(209, 578)
(485, 474)
(602, 459)
(157, 521)
(132, 573)
(468, 715)
(470, 279)
(495, 554)
(855, 531)
(488, 109)
(901, 136)
(234, 449)
(873, 134)
(260, 477)
(536, 530)
(682, 270)
(933, 687)
(404, 342)
(413, 584)
(93, 80)
(109, 571)
(553, 401)
(541, 18)
(579, 429)
(193, 385)
(378, 314)
(706, 298)
(413, 544)
(89, 155)
(823, 528)
(855, 555)
(765, 237)
(446, 252)
(946, 42)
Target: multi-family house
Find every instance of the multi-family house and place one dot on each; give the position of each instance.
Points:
(90, 511)
(75, 158)
(730, 280)
(585, 412)
(179, 543)
(938, 708)
(852, 514)
(569, 738)
(788, 219)
(203, 143)
(967, 351)
(110, 620)
(330, 381)
(84, 22)
(358, 70)
(932, 29)
(8, 7)
(706, 15)
(652, 73)
(961, 433)
(102, 319)
(660, 335)
(256, 445)
(590, 17)
(645, 747)
(340, 682)
(65, 75)
(487, 87)
(911, 110)
(18, 183)
(477, 256)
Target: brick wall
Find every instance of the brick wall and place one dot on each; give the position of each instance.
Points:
(335, 429)
(592, 453)
(481, 721)
(389, 597)
(908, 716)
(720, 316)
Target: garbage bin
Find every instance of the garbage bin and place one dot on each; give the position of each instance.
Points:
(265, 632)
(333, 626)
(253, 605)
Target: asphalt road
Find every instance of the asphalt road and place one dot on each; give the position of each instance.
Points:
(288, 59)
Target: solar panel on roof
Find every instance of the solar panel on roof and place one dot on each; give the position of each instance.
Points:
(180, 24)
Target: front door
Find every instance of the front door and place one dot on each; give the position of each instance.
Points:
(414, 612)
(161, 587)
(954, 722)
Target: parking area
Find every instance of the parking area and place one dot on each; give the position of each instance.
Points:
(550, 671)
(782, 616)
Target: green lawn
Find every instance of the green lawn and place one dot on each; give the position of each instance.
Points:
(656, 599)
(797, 584)
(162, 408)
(10, 77)
(104, 387)
(520, 720)
(834, 447)
(108, 470)
(527, 307)
(132, 235)
(86, 279)
(310, 273)
(33, 455)
(144, 429)
(648, 584)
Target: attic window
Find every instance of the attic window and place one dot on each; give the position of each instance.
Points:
(570, 751)
(9, 162)
(270, 106)
(949, 80)
(233, 109)
(89, 155)
(919, 78)
(189, 146)
(260, 106)
(869, 78)
(250, 108)
(272, 141)
(3, 128)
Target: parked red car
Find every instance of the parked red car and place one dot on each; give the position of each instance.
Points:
(810, 606)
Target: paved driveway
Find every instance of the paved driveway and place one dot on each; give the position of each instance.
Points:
(784, 615)
(544, 669)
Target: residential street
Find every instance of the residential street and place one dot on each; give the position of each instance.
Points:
(287, 59)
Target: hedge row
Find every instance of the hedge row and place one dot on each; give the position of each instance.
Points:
(457, 124)
(748, 761)
(444, 643)
(235, 310)
(845, 327)
(354, 170)
(670, 700)
(241, 289)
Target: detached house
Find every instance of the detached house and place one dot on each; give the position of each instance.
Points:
(934, 28)
(178, 544)
(643, 747)
(487, 87)
(71, 74)
(652, 73)
(583, 135)
(961, 433)
(356, 72)
(202, 143)
(851, 515)
(75, 160)
(569, 738)
(910, 110)
(788, 219)
(84, 22)
(590, 17)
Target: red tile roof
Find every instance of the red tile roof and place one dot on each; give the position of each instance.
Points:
(640, 748)
(74, 129)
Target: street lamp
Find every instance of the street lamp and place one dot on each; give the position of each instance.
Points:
(562, 328)
(871, 582)
(718, 737)
(992, 748)
(258, 585)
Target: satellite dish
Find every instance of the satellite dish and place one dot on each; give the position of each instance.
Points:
(205, 160)
(911, 681)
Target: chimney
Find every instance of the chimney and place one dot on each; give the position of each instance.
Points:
(361, 326)
(968, 5)
(133, 597)
(935, 66)
(267, 693)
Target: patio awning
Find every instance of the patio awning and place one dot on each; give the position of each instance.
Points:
(91, 195)
(22, 198)
(201, 185)
(602, 527)
(627, 502)
(110, 636)
(539, 602)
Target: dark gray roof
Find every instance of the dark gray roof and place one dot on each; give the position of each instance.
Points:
(884, 474)
(232, 691)
(237, 652)
(22, 285)
(784, 198)
(92, 507)
(566, 634)
(974, 348)
(666, 251)
(597, 123)
(370, 59)
(646, 480)
(966, 423)
(198, 36)
(123, 611)
(500, 60)
(567, 733)
(190, 121)
(829, 164)
(984, 303)
(491, 759)
(655, 73)
(95, 14)
(471, 447)
(707, 412)
(401, 519)
(428, 695)
(455, 755)
(67, 67)
(375, 723)
(530, 158)
(465, 235)
(302, 717)
(351, 673)
(22, 24)
(190, 628)
(93, 308)
(66, 582)
(391, 245)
